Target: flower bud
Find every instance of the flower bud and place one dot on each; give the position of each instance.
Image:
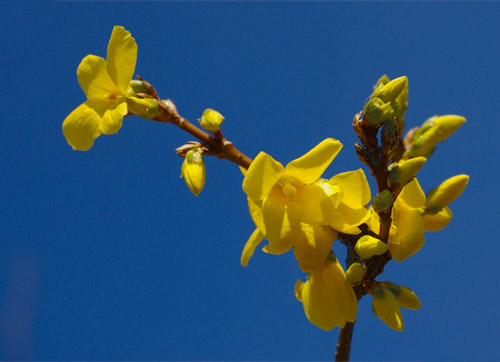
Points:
(390, 91)
(355, 273)
(368, 246)
(383, 80)
(447, 192)
(137, 86)
(377, 111)
(211, 120)
(434, 130)
(146, 108)
(385, 307)
(383, 201)
(437, 221)
(404, 171)
(193, 171)
(405, 297)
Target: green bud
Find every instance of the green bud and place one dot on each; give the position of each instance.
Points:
(137, 86)
(390, 91)
(146, 108)
(211, 120)
(368, 246)
(433, 131)
(355, 273)
(377, 111)
(389, 138)
(193, 171)
(383, 201)
(404, 171)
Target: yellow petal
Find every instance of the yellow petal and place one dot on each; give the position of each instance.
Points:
(94, 79)
(355, 187)
(273, 209)
(315, 245)
(327, 299)
(254, 240)
(410, 235)
(311, 166)
(412, 194)
(386, 307)
(262, 174)
(437, 221)
(121, 58)
(113, 118)
(81, 127)
(255, 208)
(316, 205)
(291, 231)
(352, 217)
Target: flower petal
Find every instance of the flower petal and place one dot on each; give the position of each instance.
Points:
(262, 174)
(316, 206)
(81, 127)
(94, 79)
(355, 186)
(254, 240)
(311, 166)
(255, 208)
(312, 249)
(273, 209)
(121, 58)
(412, 194)
(113, 118)
(410, 234)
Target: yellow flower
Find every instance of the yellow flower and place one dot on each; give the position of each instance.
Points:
(327, 297)
(105, 83)
(413, 213)
(281, 198)
(350, 193)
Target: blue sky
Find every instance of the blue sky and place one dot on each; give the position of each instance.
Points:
(106, 255)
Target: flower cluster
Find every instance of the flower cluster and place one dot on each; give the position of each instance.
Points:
(293, 206)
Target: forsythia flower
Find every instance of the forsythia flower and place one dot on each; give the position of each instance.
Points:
(282, 198)
(105, 83)
(413, 213)
(327, 297)
(350, 193)
(193, 171)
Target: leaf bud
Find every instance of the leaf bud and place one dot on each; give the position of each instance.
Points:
(368, 246)
(383, 201)
(404, 171)
(376, 112)
(389, 138)
(211, 120)
(386, 307)
(193, 171)
(355, 273)
(146, 108)
(446, 193)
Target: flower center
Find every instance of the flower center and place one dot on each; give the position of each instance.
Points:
(112, 97)
(289, 190)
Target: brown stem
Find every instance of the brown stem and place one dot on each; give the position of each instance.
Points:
(344, 342)
(217, 144)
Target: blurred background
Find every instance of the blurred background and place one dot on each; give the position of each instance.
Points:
(106, 255)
